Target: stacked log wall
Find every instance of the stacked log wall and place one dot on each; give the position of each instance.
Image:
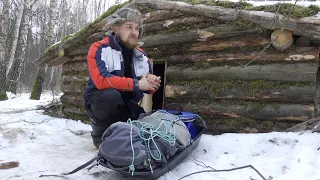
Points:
(224, 70)
(75, 77)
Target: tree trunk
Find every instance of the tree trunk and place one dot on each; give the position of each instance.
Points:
(196, 35)
(42, 69)
(53, 14)
(302, 26)
(38, 83)
(290, 94)
(4, 13)
(15, 35)
(278, 112)
(15, 71)
(299, 54)
(302, 72)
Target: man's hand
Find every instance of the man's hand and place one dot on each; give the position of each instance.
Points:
(146, 85)
(153, 78)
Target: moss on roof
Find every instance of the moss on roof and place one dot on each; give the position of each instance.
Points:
(285, 9)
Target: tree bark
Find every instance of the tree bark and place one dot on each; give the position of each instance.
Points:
(15, 35)
(38, 83)
(4, 21)
(302, 72)
(83, 50)
(220, 44)
(298, 54)
(196, 35)
(73, 88)
(290, 94)
(15, 71)
(301, 26)
(74, 84)
(172, 23)
(53, 14)
(159, 15)
(72, 99)
(280, 112)
(75, 66)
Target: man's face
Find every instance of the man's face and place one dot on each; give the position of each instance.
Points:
(128, 33)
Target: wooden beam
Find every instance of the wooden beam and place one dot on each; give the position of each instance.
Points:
(301, 72)
(290, 94)
(280, 112)
(298, 54)
(195, 35)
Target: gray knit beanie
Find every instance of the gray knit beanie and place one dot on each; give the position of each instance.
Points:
(124, 15)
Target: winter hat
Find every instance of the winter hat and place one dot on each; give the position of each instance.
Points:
(124, 15)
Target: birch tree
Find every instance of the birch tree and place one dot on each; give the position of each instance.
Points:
(15, 35)
(20, 57)
(4, 21)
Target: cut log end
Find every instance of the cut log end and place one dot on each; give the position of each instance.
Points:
(282, 39)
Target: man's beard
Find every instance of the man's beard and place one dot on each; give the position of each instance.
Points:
(130, 43)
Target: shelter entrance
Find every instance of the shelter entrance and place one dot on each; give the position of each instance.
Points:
(158, 97)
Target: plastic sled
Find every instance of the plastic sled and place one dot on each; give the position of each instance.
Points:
(172, 163)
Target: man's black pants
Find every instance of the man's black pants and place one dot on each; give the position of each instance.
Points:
(108, 106)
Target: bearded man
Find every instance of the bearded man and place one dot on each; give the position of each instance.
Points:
(119, 74)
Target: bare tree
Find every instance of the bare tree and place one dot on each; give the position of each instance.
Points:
(20, 56)
(15, 35)
(4, 21)
(38, 84)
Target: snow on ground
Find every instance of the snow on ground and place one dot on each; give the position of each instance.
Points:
(48, 145)
(22, 102)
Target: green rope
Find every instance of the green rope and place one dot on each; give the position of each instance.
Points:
(152, 133)
(131, 167)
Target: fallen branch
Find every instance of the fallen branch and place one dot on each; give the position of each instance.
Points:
(9, 165)
(221, 170)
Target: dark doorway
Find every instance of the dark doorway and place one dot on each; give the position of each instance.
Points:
(157, 98)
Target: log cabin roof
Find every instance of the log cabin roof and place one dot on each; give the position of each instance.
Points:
(301, 26)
